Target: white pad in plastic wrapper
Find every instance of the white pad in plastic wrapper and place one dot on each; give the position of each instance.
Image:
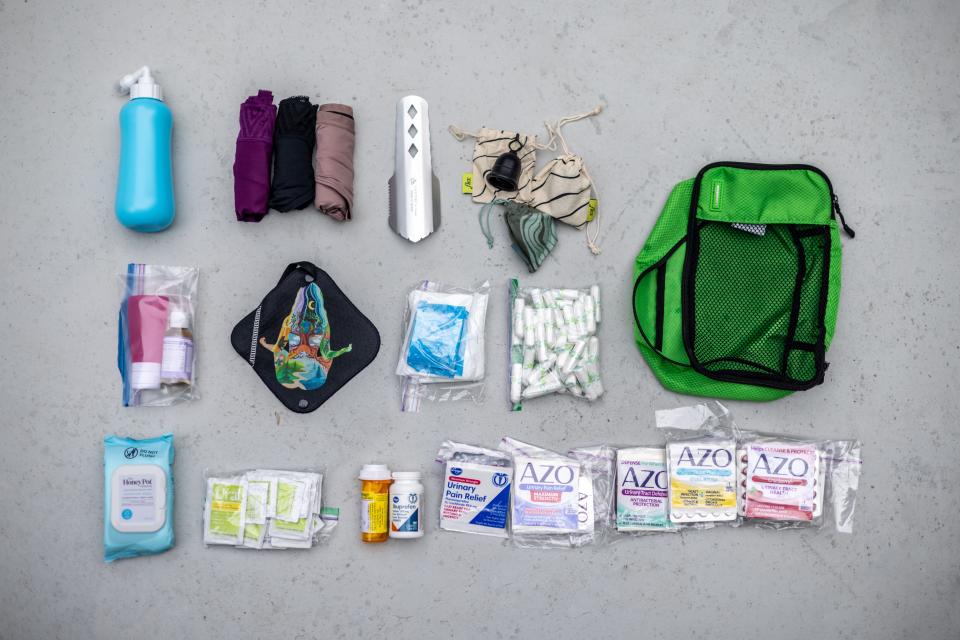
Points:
(442, 354)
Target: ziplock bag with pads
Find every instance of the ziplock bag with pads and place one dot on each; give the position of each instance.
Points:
(442, 353)
(545, 505)
(789, 483)
(137, 496)
(156, 351)
(476, 489)
(266, 509)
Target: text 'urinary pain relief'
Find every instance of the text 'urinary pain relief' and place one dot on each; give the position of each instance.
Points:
(702, 484)
(476, 498)
(642, 500)
(546, 494)
(781, 481)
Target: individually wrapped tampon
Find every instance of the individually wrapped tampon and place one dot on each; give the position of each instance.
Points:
(554, 340)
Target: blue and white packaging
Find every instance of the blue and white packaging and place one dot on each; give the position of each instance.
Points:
(547, 490)
(137, 496)
(476, 489)
(546, 494)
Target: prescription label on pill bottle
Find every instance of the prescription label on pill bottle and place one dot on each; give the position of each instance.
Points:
(546, 495)
(702, 480)
(373, 512)
(781, 481)
(642, 490)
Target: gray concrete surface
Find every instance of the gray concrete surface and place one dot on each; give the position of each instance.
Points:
(866, 90)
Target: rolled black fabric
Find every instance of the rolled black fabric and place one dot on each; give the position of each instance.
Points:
(293, 142)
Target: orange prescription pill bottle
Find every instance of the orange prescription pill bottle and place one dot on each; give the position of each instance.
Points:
(375, 481)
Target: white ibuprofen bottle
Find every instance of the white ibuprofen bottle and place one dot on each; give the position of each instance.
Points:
(406, 496)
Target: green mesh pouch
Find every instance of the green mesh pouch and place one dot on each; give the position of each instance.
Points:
(736, 289)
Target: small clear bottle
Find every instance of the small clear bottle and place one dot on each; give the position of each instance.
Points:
(177, 360)
(406, 496)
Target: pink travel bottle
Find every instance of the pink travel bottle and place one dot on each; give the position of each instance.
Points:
(147, 322)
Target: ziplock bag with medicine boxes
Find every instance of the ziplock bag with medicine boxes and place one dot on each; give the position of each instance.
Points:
(155, 350)
(442, 354)
(535, 497)
(558, 500)
(266, 509)
(718, 473)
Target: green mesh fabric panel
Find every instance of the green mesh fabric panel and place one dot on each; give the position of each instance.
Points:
(744, 284)
(744, 300)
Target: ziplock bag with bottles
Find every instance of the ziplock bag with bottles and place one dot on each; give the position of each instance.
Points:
(155, 349)
(266, 509)
(442, 354)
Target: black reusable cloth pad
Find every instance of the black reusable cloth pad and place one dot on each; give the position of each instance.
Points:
(306, 339)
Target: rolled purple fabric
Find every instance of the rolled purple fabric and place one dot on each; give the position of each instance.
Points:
(333, 161)
(251, 166)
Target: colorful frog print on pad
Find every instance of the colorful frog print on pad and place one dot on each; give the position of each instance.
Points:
(301, 356)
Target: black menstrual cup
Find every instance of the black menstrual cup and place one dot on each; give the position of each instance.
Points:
(506, 170)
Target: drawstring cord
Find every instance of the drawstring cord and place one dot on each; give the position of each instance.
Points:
(485, 216)
(556, 134)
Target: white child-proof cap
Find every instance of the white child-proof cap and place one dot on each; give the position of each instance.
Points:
(407, 475)
(375, 472)
(179, 319)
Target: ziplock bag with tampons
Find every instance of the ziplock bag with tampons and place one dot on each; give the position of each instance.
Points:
(305, 339)
(156, 353)
(735, 292)
(442, 354)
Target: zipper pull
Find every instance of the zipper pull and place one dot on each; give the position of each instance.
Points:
(843, 223)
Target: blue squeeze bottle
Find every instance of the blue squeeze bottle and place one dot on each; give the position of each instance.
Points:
(145, 181)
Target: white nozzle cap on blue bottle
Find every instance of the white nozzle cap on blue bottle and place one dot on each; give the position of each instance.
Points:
(140, 84)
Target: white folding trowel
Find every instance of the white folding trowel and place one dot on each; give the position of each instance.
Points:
(414, 190)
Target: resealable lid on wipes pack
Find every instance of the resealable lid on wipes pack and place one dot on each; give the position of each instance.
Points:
(306, 339)
(736, 290)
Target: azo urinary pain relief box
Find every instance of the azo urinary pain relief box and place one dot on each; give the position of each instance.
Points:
(642, 497)
(476, 498)
(545, 496)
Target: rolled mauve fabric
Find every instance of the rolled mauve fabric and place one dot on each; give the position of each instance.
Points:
(333, 161)
(293, 141)
(251, 165)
